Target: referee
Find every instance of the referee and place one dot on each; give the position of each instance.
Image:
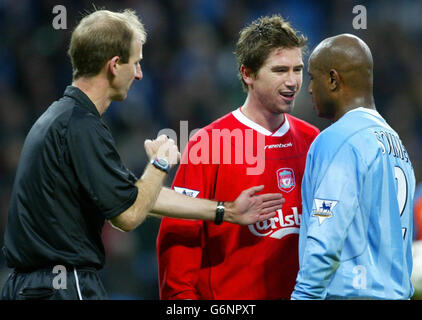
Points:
(70, 178)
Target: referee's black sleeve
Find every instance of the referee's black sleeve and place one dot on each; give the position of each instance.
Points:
(98, 166)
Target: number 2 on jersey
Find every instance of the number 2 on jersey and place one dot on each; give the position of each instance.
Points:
(401, 188)
(401, 192)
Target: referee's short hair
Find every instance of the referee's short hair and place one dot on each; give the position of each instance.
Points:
(259, 38)
(100, 36)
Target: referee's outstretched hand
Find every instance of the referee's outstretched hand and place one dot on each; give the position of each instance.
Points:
(249, 208)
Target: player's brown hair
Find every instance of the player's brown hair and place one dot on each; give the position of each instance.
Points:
(100, 36)
(259, 38)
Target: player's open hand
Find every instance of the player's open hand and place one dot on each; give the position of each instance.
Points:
(164, 148)
(250, 208)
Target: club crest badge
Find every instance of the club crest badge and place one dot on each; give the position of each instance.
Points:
(286, 179)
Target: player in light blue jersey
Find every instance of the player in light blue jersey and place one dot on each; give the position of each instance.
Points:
(358, 187)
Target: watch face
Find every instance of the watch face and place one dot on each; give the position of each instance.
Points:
(163, 162)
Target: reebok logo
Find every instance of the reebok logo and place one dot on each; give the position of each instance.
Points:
(280, 145)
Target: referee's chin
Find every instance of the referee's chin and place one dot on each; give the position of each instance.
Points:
(119, 96)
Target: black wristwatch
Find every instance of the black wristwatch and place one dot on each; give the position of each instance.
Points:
(161, 164)
(219, 213)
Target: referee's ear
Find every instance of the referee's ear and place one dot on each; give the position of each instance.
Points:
(113, 65)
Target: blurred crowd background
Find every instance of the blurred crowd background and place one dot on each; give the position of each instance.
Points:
(190, 74)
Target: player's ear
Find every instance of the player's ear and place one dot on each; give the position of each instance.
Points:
(334, 80)
(247, 75)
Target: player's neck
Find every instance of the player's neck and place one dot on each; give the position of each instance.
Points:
(366, 101)
(261, 115)
(96, 90)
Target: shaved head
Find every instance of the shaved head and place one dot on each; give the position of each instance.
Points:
(345, 63)
(347, 54)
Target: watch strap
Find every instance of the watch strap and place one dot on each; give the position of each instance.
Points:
(219, 213)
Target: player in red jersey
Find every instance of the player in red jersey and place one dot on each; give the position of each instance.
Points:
(258, 143)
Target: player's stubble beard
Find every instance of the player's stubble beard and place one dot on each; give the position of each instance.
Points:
(287, 107)
(275, 106)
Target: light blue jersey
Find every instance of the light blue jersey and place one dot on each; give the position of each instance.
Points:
(357, 221)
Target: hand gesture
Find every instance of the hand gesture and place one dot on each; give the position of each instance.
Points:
(249, 208)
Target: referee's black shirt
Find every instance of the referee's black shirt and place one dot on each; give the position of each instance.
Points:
(70, 178)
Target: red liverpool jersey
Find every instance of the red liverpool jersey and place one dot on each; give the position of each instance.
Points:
(201, 260)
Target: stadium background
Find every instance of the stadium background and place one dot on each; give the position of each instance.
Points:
(189, 74)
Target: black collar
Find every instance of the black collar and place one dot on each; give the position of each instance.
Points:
(82, 98)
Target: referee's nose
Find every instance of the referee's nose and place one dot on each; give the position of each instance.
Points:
(138, 74)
